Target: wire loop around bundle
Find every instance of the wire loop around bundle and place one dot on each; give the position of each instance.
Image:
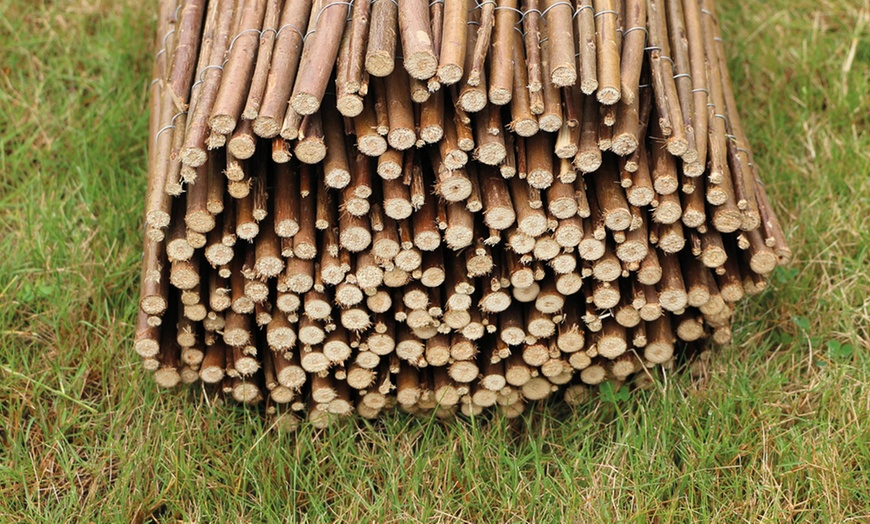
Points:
(160, 132)
(291, 26)
(557, 4)
(168, 33)
(202, 72)
(581, 8)
(320, 13)
(243, 33)
(636, 28)
(606, 12)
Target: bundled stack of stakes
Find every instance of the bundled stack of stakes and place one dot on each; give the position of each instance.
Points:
(442, 206)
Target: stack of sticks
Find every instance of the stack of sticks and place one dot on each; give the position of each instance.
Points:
(442, 206)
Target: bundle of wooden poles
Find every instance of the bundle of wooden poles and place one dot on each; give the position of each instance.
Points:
(442, 206)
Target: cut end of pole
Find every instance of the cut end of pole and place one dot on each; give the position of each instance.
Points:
(608, 95)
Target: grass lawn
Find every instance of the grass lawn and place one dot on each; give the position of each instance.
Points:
(776, 430)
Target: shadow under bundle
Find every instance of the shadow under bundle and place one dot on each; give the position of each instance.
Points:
(442, 206)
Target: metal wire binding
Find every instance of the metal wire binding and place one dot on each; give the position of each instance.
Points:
(171, 31)
(170, 126)
(324, 8)
(582, 7)
(545, 11)
(481, 4)
(636, 28)
(157, 136)
(233, 41)
(748, 160)
(500, 7)
(202, 72)
(540, 13)
(606, 12)
(517, 24)
(163, 49)
(291, 26)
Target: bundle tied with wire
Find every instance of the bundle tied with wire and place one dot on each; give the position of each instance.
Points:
(442, 206)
